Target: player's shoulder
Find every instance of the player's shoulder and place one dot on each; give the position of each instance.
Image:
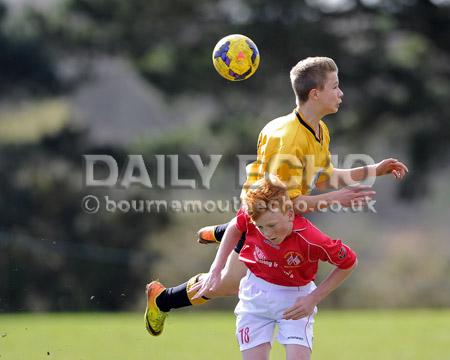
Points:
(242, 219)
(308, 232)
(282, 126)
(300, 223)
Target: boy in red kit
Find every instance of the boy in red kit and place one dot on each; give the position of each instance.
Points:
(282, 251)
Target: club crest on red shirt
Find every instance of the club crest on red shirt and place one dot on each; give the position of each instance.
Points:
(293, 259)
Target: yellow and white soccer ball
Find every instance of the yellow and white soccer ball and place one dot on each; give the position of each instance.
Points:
(236, 57)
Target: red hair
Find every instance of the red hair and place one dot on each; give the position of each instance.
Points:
(267, 194)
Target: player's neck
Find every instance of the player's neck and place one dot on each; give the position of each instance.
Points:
(310, 115)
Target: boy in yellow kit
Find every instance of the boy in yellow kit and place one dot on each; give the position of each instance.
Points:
(294, 147)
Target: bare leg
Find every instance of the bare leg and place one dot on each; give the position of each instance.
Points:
(182, 295)
(297, 352)
(260, 352)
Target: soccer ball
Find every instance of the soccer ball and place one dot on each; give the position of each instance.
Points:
(236, 57)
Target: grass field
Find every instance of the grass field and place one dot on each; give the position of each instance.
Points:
(412, 334)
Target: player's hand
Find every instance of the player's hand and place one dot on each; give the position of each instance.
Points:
(210, 283)
(353, 194)
(391, 166)
(303, 307)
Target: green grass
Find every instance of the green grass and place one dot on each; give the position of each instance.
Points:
(412, 334)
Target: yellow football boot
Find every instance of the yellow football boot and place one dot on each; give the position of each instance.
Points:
(154, 318)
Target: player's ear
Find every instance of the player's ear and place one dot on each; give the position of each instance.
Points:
(313, 94)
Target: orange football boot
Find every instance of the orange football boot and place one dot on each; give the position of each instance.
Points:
(206, 235)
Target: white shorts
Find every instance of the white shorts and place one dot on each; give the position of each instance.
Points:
(261, 307)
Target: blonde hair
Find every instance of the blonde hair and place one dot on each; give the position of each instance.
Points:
(310, 73)
(267, 194)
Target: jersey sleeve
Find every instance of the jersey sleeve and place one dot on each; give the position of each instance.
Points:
(242, 220)
(334, 251)
(339, 254)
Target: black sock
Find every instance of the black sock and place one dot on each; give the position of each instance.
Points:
(173, 298)
(219, 231)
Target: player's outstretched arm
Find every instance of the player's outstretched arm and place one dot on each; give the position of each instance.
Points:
(304, 306)
(345, 177)
(345, 197)
(229, 241)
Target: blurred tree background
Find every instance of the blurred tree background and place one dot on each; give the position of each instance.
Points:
(135, 77)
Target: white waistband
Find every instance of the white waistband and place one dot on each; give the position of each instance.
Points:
(265, 285)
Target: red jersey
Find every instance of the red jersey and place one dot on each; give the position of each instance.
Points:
(294, 261)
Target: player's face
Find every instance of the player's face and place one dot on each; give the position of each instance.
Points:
(274, 225)
(330, 97)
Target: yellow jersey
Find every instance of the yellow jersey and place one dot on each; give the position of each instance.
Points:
(289, 148)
